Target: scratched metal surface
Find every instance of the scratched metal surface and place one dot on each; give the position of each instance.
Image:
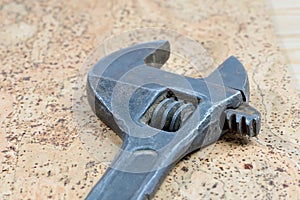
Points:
(44, 45)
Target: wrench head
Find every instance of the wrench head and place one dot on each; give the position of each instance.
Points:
(129, 92)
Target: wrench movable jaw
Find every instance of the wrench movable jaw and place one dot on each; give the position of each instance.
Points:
(233, 74)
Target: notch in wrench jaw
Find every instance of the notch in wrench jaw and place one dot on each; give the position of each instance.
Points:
(160, 116)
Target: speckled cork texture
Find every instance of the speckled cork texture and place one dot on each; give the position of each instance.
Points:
(43, 47)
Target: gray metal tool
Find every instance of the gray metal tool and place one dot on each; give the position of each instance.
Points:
(160, 116)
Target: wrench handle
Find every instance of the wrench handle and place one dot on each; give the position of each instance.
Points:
(115, 185)
(118, 184)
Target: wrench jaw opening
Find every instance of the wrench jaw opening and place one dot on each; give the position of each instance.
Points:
(159, 56)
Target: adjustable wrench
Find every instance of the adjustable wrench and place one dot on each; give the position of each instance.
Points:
(161, 116)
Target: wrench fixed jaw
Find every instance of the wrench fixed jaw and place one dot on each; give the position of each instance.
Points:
(106, 73)
(160, 116)
(244, 120)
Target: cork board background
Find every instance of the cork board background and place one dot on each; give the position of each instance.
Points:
(44, 45)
